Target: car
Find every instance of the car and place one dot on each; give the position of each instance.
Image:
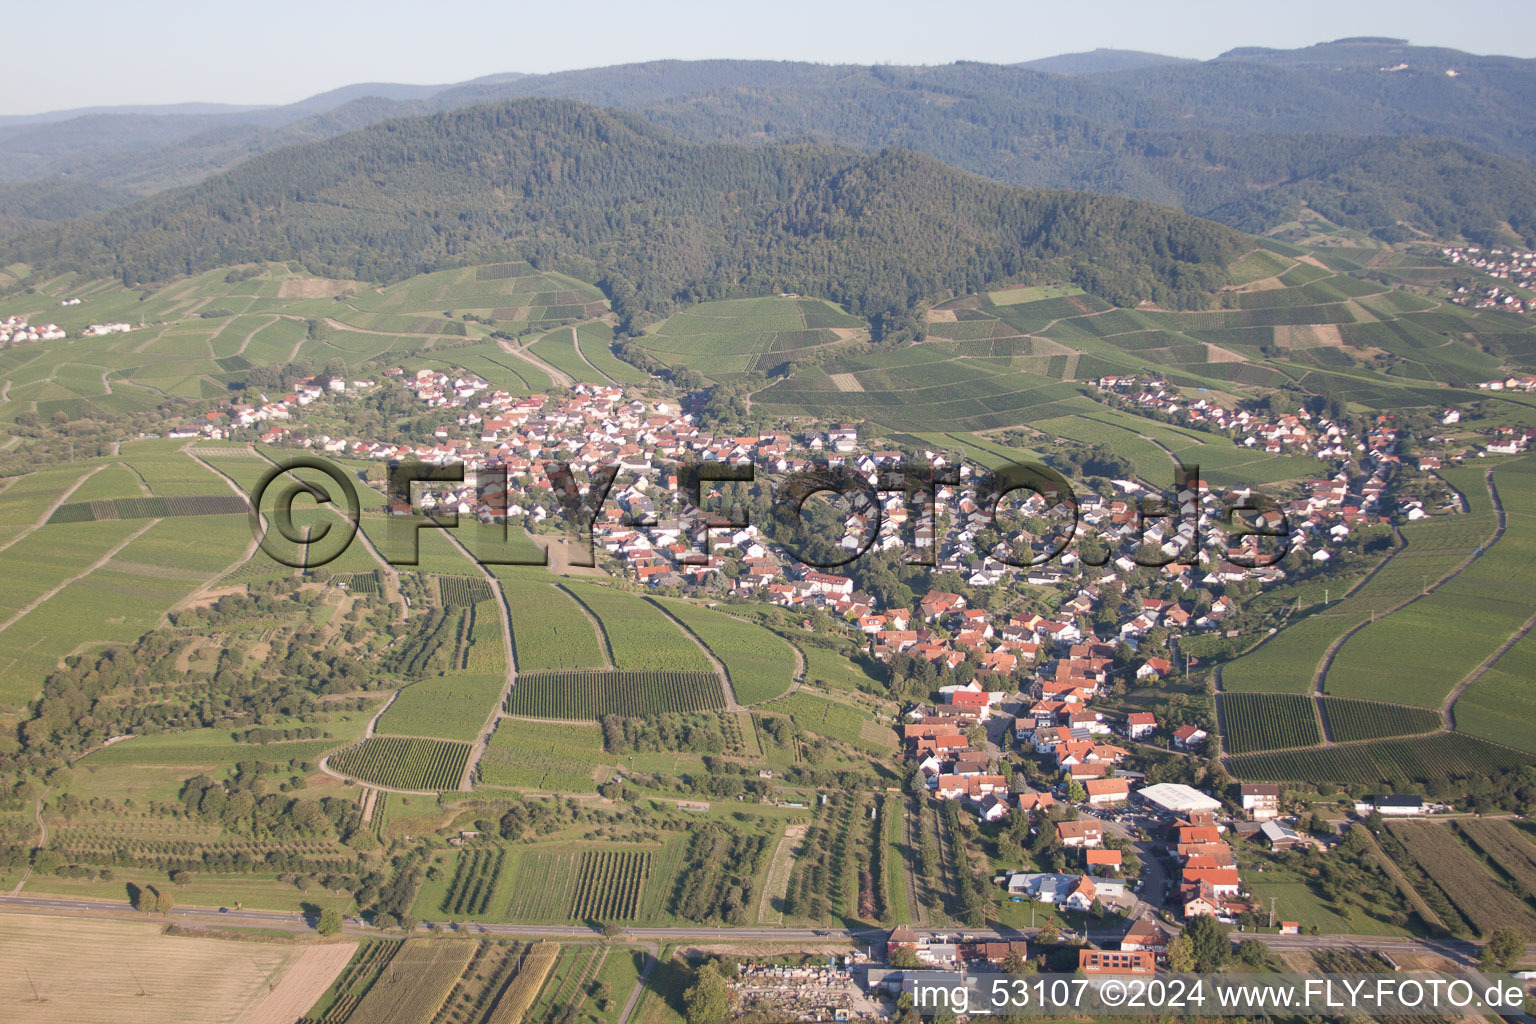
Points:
(223, 910)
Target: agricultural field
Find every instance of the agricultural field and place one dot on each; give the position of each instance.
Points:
(476, 872)
(550, 629)
(1418, 654)
(588, 695)
(79, 966)
(1267, 721)
(413, 986)
(595, 340)
(451, 707)
(823, 716)
(547, 756)
(639, 635)
(761, 666)
(1501, 705)
(398, 762)
(1373, 720)
(1290, 659)
(210, 747)
(1507, 848)
(1418, 759)
(728, 339)
(1477, 895)
(609, 884)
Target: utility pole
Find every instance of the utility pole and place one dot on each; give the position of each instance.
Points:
(37, 997)
(1272, 911)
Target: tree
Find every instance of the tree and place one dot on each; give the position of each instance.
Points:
(1181, 956)
(1075, 791)
(707, 1001)
(330, 921)
(905, 959)
(1209, 943)
(1505, 950)
(164, 902)
(1049, 934)
(612, 929)
(1253, 953)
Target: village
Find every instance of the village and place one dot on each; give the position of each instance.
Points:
(1516, 267)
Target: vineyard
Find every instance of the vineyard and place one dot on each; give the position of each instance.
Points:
(1351, 719)
(479, 647)
(1477, 896)
(543, 755)
(1508, 848)
(610, 883)
(426, 647)
(588, 695)
(463, 591)
(1420, 759)
(400, 762)
(760, 664)
(474, 880)
(639, 634)
(449, 707)
(1267, 721)
(550, 630)
(150, 508)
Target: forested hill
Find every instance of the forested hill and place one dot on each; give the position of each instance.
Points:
(659, 220)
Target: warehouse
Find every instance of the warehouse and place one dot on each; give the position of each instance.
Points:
(1173, 798)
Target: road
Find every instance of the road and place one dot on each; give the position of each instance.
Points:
(1456, 950)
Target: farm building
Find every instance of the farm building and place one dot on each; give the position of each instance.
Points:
(1261, 800)
(1392, 806)
(1175, 798)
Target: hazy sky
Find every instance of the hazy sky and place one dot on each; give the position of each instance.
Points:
(90, 52)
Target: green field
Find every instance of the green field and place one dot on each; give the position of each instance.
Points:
(1369, 720)
(1290, 659)
(734, 337)
(640, 636)
(831, 718)
(550, 630)
(1418, 654)
(544, 756)
(452, 707)
(760, 665)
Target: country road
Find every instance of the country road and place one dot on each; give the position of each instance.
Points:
(1456, 950)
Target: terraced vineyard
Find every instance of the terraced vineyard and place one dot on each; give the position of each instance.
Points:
(761, 666)
(1507, 847)
(609, 885)
(734, 337)
(463, 591)
(400, 762)
(829, 718)
(1419, 759)
(1418, 654)
(639, 635)
(1290, 659)
(588, 695)
(550, 630)
(1267, 721)
(1370, 720)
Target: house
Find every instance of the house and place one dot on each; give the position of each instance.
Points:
(1188, 737)
(1110, 859)
(1080, 833)
(1115, 961)
(1261, 800)
(1081, 896)
(1160, 667)
(1036, 801)
(993, 808)
(1290, 928)
(1140, 724)
(1145, 936)
(1221, 881)
(1102, 792)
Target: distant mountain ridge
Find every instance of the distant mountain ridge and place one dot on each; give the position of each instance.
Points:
(658, 220)
(1206, 137)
